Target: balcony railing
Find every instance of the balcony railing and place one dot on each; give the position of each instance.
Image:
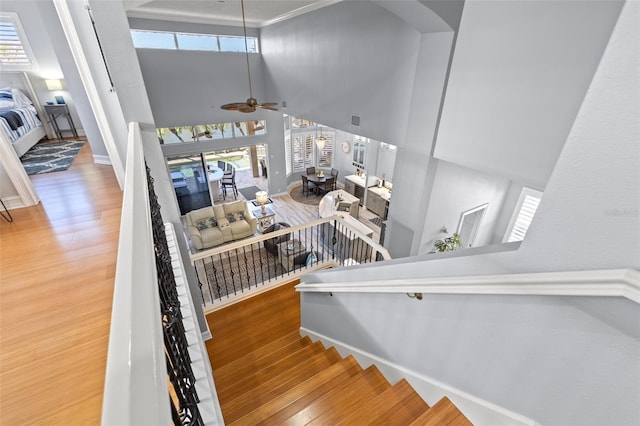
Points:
(226, 272)
(149, 378)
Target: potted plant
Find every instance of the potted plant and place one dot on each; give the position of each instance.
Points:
(448, 244)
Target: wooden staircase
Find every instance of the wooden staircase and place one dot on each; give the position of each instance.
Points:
(290, 380)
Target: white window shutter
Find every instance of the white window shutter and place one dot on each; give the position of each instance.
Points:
(524, 218)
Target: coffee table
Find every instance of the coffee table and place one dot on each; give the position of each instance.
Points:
(288, 251)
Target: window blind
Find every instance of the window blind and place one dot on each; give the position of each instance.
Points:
(12, 51)
(525, 216)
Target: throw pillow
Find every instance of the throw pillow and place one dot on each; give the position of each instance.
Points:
(236, 216)
(213, 222)
(231, 217)
(202, 224)
(311, 259)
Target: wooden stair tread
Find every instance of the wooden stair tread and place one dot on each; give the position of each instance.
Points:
(278, 385)
(444, 412)
(268, 372)
(343, 398)
(261, 351)
(289, 403)
(399, 404)
(231, 372)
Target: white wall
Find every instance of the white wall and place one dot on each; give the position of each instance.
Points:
(457, 189)
(46, 64)
(519, 75)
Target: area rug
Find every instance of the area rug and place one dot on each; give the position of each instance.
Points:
(47, 157)
(311, 199)
(228, 275)
(249, 193)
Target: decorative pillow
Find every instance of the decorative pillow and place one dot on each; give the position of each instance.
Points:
(236, 216)
(207, 222)
(311, 259)
(20, 99)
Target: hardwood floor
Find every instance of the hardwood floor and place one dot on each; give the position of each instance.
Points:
(57, 266)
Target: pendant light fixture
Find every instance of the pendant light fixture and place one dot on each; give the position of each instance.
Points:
(321, 140)
(251, 104)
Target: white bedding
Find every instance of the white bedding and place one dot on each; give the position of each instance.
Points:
(19, 120)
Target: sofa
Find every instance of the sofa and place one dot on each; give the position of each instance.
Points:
(211, 226)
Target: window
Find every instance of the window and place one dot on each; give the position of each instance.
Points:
(15, 52)
(302, 151)
(203, 132)
(325, 155)
(153, 40)
(523, 214)
(146, 39)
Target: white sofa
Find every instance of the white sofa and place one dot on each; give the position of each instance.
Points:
(212, 226)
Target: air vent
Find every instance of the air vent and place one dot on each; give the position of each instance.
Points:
(284, 104)
(355, 120)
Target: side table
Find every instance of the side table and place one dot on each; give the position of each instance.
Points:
(264, 220)
(60, 110)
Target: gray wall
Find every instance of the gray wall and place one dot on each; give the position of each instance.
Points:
(519, 75)
(344, 59)
(557, 360)
(457, 189)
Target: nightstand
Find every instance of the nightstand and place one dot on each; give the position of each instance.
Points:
(60, 110)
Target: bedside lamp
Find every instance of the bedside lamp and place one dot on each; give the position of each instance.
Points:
(262, 198)
(55, 85)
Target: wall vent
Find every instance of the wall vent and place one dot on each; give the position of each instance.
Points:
(284, 104)
(355, 120)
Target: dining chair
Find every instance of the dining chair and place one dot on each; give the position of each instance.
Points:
(229, 181)
(221, 165)
(327, 185)
(311, 170)
(230, 170)
(334, 173)
(307, 186)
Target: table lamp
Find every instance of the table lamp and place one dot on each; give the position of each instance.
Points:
(262, 198)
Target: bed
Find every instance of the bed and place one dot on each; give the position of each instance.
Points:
(19, 120)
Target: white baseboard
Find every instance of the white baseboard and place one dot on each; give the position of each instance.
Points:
(102, 159)
(13, 202)
(477, 410)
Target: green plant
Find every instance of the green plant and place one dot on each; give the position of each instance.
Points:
(448, 244)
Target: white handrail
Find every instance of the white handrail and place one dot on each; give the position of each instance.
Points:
(241, 243)
(136, 379)
(613, 282)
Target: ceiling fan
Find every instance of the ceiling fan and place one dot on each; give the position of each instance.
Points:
(251, 104)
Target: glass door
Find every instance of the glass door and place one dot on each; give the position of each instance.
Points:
(190, 183)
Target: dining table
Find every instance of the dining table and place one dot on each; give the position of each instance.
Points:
(214, 175)
(317, 180)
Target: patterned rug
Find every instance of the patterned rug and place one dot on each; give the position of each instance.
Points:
(310, 199)
(231, 274)
(46, 157)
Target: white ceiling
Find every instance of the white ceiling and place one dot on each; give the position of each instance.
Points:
(258, 13)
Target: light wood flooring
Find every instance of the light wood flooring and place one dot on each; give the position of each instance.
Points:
(57, 267)
(290, 211)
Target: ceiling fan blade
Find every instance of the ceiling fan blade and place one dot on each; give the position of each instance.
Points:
(234, 106)
(269, 106)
